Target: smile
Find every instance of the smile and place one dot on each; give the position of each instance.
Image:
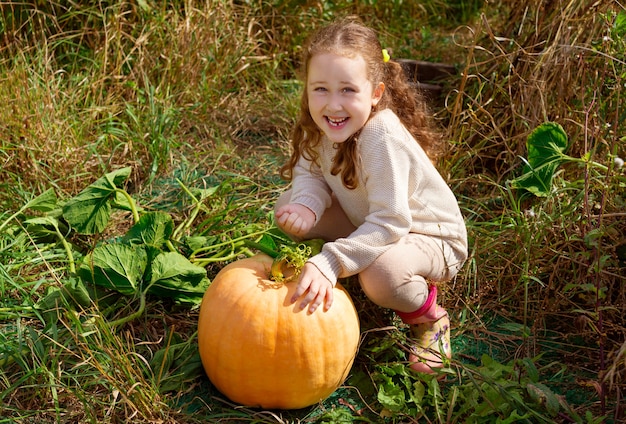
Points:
(336, 122)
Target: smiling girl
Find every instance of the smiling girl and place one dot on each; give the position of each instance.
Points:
(363, 179)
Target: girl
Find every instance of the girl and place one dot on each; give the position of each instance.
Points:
(363, 180)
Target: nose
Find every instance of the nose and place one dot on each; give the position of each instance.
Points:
(334, 103)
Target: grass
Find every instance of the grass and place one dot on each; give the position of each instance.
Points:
(204, 94)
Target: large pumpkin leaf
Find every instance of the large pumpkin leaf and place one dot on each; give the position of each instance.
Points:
(174, 276)
(115, 266)
(153, 229)
(90, 210)
(546, 147)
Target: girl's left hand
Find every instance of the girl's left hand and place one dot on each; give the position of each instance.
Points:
(315, 287)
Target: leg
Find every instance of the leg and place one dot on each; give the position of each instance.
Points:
(397, 280)
(332, 225)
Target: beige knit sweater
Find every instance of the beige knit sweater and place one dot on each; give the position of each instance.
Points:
(399, 191)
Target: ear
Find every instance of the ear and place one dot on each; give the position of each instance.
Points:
(378, 93)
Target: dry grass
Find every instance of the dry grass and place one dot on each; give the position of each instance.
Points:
(204, 89)
(554, 263)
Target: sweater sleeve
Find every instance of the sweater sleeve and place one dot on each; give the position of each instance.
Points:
(384, 168)
(309, 188)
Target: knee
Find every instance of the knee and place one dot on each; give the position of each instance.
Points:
(379, 285)
(393, 288)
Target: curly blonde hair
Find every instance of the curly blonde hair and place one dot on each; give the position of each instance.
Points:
(349, 37)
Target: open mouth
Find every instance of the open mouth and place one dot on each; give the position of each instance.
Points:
(336, 122)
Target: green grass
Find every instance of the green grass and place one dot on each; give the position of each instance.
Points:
(200, 97)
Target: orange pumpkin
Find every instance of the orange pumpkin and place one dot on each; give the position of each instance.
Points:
(260, 352)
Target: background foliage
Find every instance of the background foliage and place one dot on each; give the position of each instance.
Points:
(198, 98)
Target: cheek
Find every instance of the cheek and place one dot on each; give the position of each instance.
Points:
(314, 104)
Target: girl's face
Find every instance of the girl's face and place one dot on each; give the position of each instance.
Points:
(340, 95)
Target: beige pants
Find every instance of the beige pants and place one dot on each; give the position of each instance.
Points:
(397, 279)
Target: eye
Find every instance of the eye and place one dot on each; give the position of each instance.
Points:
(319, 89)
(348, 90)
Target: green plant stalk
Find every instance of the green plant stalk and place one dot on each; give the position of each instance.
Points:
(170, 246)
(222, 256)
(138, 313)
(6, 360)
(585, 162)
(11, 218)
(588, 162)
(194, 213)
(15, 312)
(131, 202)
(269, 252)
(233, 242)
(55, 393)
(68, 250)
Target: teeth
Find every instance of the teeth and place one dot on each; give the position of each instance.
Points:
(336, 122)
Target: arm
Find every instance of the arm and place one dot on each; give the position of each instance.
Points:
(309, 198)
(382, 200)
(310, 188)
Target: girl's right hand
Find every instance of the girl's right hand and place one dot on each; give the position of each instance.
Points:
(313, 290)
(295, 219)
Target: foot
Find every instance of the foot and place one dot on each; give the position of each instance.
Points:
(431, 343)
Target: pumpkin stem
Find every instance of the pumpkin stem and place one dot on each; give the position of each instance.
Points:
(294, 256)
(276, 270)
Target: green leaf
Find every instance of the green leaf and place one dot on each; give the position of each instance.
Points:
(115, 266)
(176, 365)
(391, 397)
(90, 210)
(531, 370)
(269, 243)
(174, 276)
(336, 416)
(75, 290)
(42, 227)
(204, 193)
(546, 146)
(418, 392)
(45, 202)
(194, 243)
(542, 395)
(516, 328)
(619, 26)
(494, 369)
(514, 417)
(153, 229)
(72, 293)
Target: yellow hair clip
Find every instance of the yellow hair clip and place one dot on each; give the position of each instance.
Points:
(386, 56)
